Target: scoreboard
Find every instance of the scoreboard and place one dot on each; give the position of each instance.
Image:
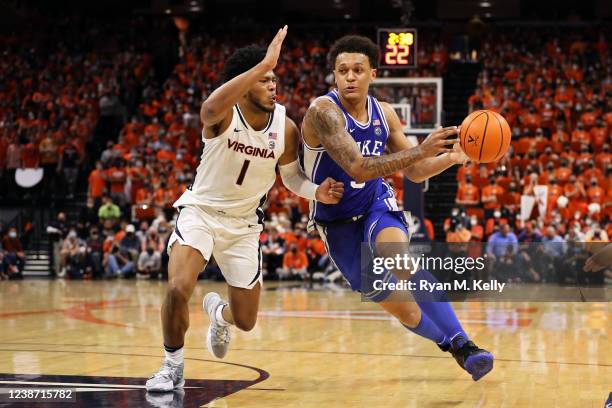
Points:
(397, 47)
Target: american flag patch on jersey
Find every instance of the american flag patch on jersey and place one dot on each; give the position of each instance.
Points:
(272, 136)
(376, 122)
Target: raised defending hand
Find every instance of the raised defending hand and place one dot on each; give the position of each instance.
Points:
(329, 191)
(271, 58)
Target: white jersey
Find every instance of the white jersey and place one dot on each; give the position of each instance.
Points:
(238, 167)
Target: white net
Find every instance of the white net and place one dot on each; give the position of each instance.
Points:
(417, 101)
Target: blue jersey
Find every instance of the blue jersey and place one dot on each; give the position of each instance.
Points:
(371, 137)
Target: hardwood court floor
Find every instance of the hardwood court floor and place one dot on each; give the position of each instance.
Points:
(310, 348)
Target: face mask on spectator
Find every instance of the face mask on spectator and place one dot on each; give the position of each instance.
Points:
(497, 214)
(12, 234)
(72, 234)
(473, 221)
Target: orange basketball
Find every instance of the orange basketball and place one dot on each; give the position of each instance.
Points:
(485, 136)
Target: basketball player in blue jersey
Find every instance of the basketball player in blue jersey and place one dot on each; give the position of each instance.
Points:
(345, 136)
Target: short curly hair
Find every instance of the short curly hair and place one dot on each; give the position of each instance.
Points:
(242, 60)
(354, 43)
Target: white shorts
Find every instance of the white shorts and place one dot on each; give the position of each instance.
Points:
(234, 242)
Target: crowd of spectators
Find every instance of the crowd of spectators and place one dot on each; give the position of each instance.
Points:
(66, 90)
(105, 105)
(556, 94)
(102, 243)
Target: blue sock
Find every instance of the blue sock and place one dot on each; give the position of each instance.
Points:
(426, 328)
(435, 305)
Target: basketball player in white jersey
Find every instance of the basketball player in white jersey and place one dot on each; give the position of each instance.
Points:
(246, 134)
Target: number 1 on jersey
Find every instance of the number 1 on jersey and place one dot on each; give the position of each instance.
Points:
(243, 170)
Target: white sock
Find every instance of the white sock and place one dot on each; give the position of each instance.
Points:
(219, 316)
(175, 357)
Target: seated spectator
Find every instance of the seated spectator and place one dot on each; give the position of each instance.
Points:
(564, 172)
(9, 267)
(78, 263)
(272, 248)
(491, 196)
(511, 267)
(95, 250)
(595, 193)
(599, 135)
(580, 135)
(295, 264)
(467, 194)
(117, 265)
(130, 244)
(555, 247)
(14, 254)
(511, 199)
(457, 233)
(154, 239)
(149, 263)
(70, 248)
(529, 233)
(315, 252)
(499, 242)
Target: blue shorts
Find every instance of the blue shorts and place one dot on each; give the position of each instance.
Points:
(344, 242)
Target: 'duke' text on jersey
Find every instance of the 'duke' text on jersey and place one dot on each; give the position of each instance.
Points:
(370, 148)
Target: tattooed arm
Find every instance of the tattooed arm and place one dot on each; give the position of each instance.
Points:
(324, 125)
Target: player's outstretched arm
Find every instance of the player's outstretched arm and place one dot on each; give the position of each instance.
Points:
(324, 122)
(219, 104)
(424, 169)
(329, 191)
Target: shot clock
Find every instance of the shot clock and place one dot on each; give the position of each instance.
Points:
(398, 47)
